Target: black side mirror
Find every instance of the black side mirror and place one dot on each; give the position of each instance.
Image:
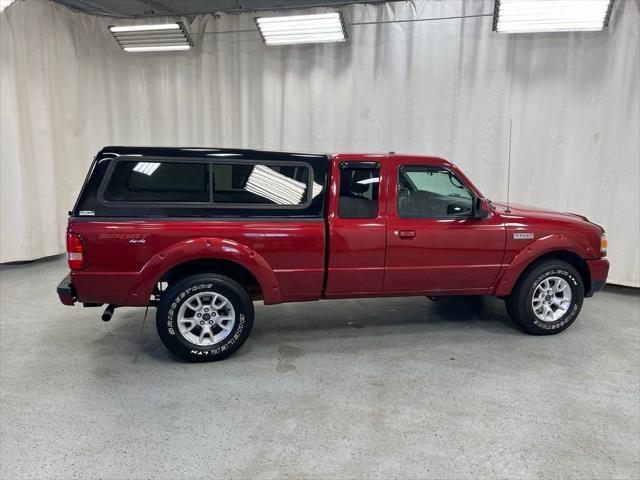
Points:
(454, 209)
(478, 211)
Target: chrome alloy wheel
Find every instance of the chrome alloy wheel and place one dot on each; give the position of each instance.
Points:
(206, 318)
(551, 299)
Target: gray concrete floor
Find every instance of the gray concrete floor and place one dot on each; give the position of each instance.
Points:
(383, 388)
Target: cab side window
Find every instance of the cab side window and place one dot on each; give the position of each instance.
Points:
(431, 192)
(359, 187)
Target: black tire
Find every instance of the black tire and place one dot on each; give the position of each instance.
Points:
(178, 294)
(519, 303)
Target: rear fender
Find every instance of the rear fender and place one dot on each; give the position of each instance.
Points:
(197, 249)
(547, 244)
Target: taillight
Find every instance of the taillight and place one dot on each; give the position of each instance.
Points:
(603, 245)
(75, 251)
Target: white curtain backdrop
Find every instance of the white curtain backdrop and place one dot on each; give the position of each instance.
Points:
(444, 87)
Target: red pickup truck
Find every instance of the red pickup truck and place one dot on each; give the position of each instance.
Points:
(201, 232)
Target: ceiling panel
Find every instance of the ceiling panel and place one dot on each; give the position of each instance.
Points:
(141, 8)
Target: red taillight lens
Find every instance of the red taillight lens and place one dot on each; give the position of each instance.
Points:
(75, 251)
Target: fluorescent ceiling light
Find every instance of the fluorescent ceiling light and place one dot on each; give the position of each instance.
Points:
(159, 48)
(316, 28)
(4, 4)
(522, 16)
(146, 167)
(367, 181)
(275, 186)
(144, 28)
(152, 38)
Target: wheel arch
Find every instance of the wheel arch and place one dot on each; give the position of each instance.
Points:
(514, 273)
(222, 266)
(201, 255)
(572, 258)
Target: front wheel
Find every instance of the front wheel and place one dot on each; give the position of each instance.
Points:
(204, 318)
(547, 299)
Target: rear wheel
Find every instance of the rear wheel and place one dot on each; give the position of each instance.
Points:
(547, 298)
(204, 317)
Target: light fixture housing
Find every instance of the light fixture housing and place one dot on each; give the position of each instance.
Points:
(295, 29)
(161, 37)
(530, 16)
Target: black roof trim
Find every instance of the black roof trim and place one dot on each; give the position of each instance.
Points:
(210, 153)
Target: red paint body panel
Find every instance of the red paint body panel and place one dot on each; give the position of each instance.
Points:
(440, 255)
(308, 259)
(552, 231)
(356, 260)
(286, 257)
(599, 269)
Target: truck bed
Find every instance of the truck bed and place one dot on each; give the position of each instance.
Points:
(118, 251)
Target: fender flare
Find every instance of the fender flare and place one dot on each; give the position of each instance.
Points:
(202, 248)
(532, 252)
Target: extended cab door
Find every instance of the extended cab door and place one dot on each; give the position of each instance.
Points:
(433, 243)
(357, 226)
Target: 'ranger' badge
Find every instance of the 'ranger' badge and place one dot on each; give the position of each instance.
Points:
(523, 236)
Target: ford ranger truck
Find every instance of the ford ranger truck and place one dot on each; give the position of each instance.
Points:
(201, 233)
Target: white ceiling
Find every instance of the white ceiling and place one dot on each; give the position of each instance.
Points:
(141, 8)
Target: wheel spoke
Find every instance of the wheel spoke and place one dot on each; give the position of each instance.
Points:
(195, 303)
(225, 323)
(205, 332)
(213, 301)
(187, 324)
(559, 287)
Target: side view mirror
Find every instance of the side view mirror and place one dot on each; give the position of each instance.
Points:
(454, 209)
(479, 210)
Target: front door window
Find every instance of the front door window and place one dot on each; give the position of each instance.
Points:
(431, 192)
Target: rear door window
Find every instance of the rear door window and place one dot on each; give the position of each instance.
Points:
(359, 188)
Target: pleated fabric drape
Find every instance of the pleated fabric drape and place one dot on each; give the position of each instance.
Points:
(445, 87)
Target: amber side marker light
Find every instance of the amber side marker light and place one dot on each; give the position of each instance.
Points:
(603, 245)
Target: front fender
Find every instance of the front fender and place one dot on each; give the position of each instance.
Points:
(197, 249)
(547, 244)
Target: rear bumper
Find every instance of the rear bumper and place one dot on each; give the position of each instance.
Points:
(66, 291)
(598, 271)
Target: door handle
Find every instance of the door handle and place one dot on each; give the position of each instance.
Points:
(406, 234)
